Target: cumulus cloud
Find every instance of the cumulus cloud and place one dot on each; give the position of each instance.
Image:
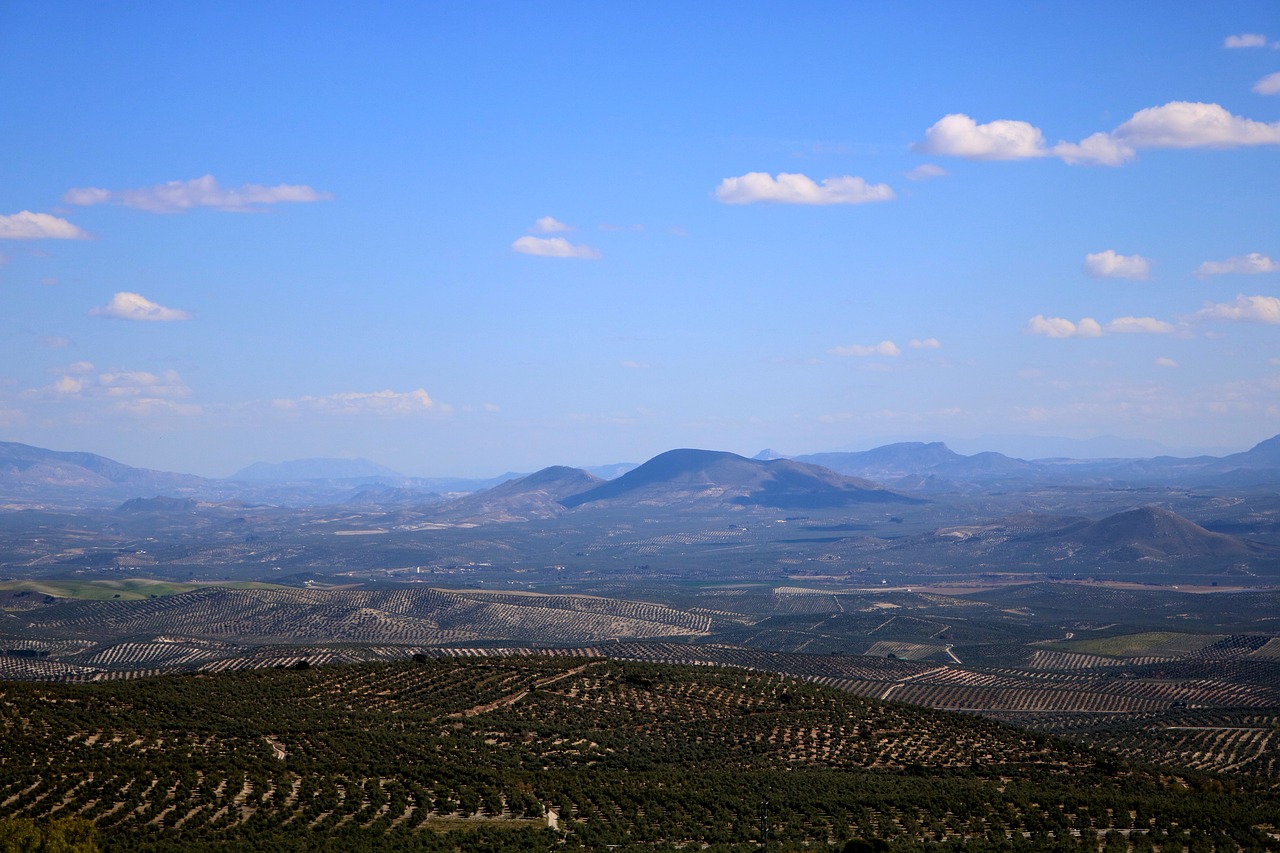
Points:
(1253, 263)
(554, 247)
(926, 172)
(860, 350)
(1245, 40)
(38, 226)
(179, 196)
(1060, 327)
(1139, 325)
(135, 306)
(1163, 361)
(1247, 309)
(549, 225)
(1182, 124)
(1269, 85)
(1178, 124)
(958, 135)
(793, 188)
(927, 343)
(1110, 264)
(355, 403)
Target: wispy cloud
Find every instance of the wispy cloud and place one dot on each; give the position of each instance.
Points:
(179, 196)
(1060, 327)
(794, 188)
(1178, 124)
(356, 403)
(1110, 264)
(135, 306)
(1246, 309)
(1139, 325)
(1164, 361)
(549, 225)
(1269, 85)
(139, 393)
(927, 343)
(38, 226)
(1253, 263)
(860, 350)
(1245, 40)
(554, 247)
(926, 172)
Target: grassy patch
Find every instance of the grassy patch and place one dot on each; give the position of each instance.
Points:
(1149, 643)
(129, 589)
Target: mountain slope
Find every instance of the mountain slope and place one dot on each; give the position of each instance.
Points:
(539, 495)
(34, 473)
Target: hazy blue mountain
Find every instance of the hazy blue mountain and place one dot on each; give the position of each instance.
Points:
(613, 471)
(315, 469)
(37, 474)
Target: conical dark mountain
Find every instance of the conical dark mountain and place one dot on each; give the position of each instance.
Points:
(713, 478)
(1153, 532)
(539, 495)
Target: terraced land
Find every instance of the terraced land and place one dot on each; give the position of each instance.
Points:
(539, 753)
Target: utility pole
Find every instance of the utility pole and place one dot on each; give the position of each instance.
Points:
(763, 812)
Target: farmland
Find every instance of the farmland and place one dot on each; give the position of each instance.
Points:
(484, 752)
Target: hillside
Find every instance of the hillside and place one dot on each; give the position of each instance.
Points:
(542, 754)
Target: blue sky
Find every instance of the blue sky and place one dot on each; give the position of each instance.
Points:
(468, 238)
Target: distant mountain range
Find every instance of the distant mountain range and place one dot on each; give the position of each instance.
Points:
(902, 472)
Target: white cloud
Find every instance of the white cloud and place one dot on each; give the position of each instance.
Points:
(1183, 124)
(1249, 309)
(1162, 361)
(957, 135)
(791, 188)
(1100, 149)
(1245, 40)
(134, 306)
(178, 196)
(637, 365)
(1139, 325)
(553, 247)
(927, 343)
(1253, 263)
(1269, 85)
(1178, 124)
(1059, 327)
(926, 172)
(55, 341)
(375, 402)
(1110, 264)
(549, 225)
(882, 348)
(38, 226)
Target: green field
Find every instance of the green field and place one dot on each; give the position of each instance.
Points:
(1146, 644)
